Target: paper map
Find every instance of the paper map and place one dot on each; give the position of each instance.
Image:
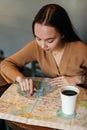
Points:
(42, 108)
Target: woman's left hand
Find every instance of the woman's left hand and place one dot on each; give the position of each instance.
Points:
(63, 81)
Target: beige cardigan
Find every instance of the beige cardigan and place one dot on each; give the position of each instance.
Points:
(75, 55)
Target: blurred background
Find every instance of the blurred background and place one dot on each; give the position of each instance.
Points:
(16, 18)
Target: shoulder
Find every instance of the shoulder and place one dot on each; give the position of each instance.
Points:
(31, 43)
(79, 48)
(79, 45)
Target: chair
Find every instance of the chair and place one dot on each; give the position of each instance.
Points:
(1, 54)
(36, 71)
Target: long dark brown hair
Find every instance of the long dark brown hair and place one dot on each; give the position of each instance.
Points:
(56, 16)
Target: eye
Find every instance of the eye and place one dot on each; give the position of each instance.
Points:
(50, 40)
(38, 39)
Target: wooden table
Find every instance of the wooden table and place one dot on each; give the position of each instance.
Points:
(22, 126)
(43, 109)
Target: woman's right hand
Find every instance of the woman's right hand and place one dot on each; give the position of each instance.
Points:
(26, 84)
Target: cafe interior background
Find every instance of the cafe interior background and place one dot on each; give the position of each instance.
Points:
(16, 18)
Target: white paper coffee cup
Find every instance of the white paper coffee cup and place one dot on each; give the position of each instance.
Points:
(68, 98)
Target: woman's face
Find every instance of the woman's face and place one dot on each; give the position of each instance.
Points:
(47, 37)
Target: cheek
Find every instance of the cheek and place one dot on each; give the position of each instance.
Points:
(57, 42)
(54, 44)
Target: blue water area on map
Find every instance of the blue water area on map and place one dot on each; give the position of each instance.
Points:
(43, 88)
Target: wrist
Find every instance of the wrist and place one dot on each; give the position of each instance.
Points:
(19, 78)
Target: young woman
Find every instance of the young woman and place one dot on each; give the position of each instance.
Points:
(57, 48)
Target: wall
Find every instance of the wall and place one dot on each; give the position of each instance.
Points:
(16, 18)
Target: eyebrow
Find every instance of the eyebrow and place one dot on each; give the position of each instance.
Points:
(47, 38)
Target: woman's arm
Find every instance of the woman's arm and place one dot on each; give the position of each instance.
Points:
(10, 66)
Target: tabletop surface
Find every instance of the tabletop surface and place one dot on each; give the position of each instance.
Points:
(43, 108)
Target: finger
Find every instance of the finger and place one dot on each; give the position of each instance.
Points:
(59, 83)
(31, 86)
(61, 78)
(55, 84)
(53, 79)
(22, 88)
(35, 89)
(21, 85)
(27, 84)
(57, 79)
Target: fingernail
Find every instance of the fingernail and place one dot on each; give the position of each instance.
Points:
(31, 94)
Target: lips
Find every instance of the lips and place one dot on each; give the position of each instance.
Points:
(46, 49)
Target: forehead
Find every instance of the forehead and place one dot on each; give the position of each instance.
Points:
(43, 30)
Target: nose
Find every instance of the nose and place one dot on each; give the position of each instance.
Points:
(43, 44)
